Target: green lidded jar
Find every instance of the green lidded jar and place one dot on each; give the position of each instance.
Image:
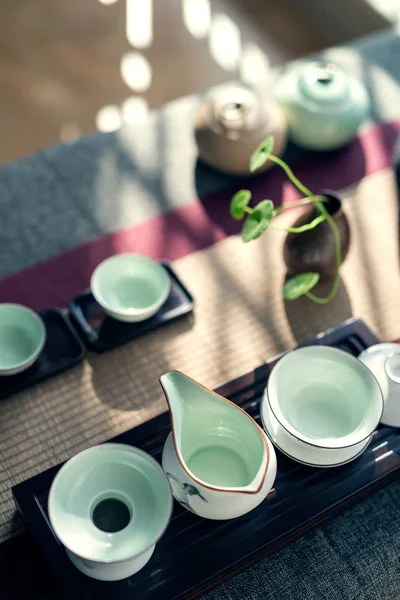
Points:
(323, 104)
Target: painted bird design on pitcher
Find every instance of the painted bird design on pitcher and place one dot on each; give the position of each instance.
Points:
(188, 491)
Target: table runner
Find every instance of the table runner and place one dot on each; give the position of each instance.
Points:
(240, 318)
(197, 224)
(69, 196)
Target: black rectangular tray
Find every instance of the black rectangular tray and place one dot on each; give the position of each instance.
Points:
(63, 349)
(196, 554)
(101, 332)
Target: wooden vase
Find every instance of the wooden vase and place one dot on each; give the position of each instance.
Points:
(314, 250)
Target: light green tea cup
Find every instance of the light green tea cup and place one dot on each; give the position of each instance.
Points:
(130, 287)
(22, 337)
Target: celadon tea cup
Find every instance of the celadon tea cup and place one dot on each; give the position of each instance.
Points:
(108, 506)
(22, 337)
(130, 287)
(321, 406)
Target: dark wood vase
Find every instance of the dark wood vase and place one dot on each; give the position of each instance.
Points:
(314, 250)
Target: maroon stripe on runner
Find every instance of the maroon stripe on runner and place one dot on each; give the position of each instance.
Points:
(197, 225)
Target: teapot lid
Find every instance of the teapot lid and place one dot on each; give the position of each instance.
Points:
(323, 82)
(234, 107)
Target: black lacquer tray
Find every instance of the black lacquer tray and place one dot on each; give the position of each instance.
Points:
(100, 332)
(63, 349)
(195, 554)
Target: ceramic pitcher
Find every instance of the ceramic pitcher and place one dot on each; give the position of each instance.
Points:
(219, 462)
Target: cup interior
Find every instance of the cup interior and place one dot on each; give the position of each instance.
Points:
(110, 503)
(130, 283)
(227, 454)
(22, 335)
(325, 397)
(220, 445)
(111, 515)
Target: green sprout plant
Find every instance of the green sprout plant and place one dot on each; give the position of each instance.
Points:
(260, 218)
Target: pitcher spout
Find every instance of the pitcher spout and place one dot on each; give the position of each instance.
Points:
(215, 447)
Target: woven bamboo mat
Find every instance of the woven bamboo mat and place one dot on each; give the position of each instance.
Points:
(240, 320)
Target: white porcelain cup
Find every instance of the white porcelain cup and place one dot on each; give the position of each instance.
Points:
(22, 338)
(321, 406)
(383, 360)
(130, 287)
(109, 505)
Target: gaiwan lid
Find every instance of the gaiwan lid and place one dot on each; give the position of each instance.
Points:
(324, 82)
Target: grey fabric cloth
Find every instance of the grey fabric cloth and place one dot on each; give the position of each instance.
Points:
(355, 556)
(70, 194)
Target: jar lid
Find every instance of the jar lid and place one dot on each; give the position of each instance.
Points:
(324, 83)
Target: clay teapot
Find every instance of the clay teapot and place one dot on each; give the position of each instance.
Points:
(232, 122)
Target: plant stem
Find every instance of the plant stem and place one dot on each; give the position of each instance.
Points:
(323, 212)
(293, 204)
(305, 227)
(247, 209)
(291, 176)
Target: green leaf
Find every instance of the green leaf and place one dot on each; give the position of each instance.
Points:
(258, 221)
(266, 207)
(299, 285)
(239, 201)
(262, 154)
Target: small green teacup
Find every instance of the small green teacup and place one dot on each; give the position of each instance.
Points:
(130, 287)
(22, 337)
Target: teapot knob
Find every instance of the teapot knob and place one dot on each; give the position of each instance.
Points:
(233, 110)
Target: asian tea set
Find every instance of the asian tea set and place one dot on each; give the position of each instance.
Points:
(110, 504)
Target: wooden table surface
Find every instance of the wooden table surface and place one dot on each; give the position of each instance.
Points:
(60, 61)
